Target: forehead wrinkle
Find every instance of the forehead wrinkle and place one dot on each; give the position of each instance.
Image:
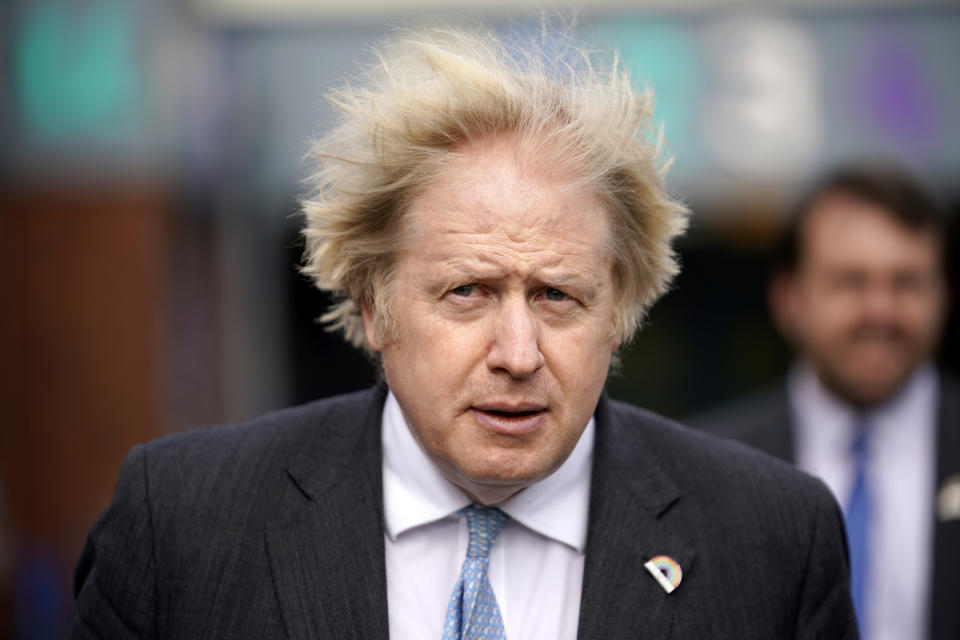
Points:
(493, 264)
(499, 261)
(492, 252)
(506, 222)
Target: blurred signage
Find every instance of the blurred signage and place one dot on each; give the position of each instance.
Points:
(77, 72)
(287, 11)
(762, 117)
(663, 55)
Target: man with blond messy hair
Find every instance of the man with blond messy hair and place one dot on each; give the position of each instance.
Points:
(494, 221)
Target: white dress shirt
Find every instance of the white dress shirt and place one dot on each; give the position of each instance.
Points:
(536, 563)
(902, 476)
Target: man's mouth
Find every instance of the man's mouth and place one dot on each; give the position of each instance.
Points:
(509, 420)
(878, 334)
(511, 414)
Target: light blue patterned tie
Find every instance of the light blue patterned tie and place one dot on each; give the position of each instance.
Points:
(473, 613)
(857, 516)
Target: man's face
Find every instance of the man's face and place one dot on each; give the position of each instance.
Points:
(866, 303)
(504, 299)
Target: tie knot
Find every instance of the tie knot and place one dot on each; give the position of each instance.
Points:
(859, 445)
(484, 525)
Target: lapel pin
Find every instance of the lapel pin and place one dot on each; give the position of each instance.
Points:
(948, 499)
(666, 571)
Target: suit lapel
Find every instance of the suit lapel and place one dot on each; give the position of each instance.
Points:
(630, 523)
(945, 615)
(327, 555)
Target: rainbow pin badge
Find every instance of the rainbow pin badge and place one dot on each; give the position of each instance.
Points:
(666, 571)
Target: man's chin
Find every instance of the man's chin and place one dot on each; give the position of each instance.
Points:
(495, 479)
(491, 484)
(866, 391)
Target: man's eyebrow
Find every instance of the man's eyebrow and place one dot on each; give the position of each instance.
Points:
(567, 277)
(466, 270)
(483, 270)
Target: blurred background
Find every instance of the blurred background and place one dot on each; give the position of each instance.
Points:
(152, 158)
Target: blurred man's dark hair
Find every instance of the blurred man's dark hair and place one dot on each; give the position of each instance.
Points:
(891, 189)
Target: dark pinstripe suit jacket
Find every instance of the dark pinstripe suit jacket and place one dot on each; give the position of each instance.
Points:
(274, 529)
(763, 420)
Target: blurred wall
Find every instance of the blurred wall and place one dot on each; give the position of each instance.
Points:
(150, 168)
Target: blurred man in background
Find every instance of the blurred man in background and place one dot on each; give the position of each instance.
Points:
(859, 290)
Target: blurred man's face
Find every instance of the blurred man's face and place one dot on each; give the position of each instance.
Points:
(504, 299)
(866, 304)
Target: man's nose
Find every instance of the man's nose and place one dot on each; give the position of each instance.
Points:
(515, 343)
(880, 303)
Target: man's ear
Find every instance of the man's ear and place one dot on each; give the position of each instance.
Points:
(369, 327)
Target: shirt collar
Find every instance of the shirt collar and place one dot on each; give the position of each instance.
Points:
(416, 493)
(833, 420)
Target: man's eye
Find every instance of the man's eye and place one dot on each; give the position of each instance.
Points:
(555, 295)
(848, 281)
(909, 282)
(463, 290)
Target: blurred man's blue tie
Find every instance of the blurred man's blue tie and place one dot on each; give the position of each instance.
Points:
(857, 515)
(473, 613)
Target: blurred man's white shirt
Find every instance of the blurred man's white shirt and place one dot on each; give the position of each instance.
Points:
(901, 470)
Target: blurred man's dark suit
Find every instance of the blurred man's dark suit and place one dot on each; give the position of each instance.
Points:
(274, 529)
(763, 420)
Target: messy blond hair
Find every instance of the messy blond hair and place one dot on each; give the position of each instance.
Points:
(433, 90)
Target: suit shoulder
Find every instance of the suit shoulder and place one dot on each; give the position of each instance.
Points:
(284, 429)
(705, 459)
(752, 410)
(761, 419)
(230, 463)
